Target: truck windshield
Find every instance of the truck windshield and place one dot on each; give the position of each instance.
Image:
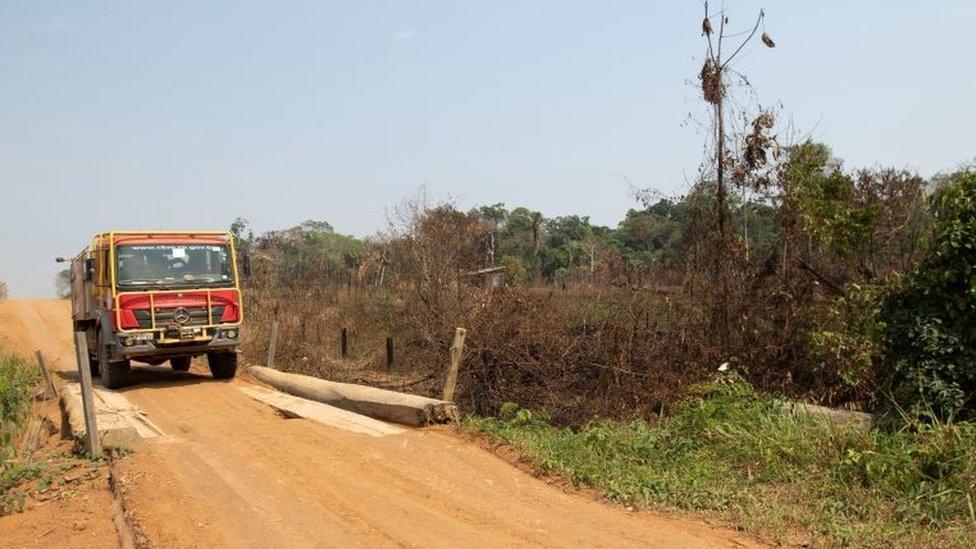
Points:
(174, 265)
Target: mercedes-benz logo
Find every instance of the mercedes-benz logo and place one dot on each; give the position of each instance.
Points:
(181, 316)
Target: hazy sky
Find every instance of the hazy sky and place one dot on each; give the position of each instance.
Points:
(188, 114)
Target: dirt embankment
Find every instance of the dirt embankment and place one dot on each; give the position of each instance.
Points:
(229, 471)
(68, 504)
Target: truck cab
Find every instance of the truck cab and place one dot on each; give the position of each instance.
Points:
(156, 297)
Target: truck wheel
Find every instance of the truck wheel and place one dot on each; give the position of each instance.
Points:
(222, 365)
(180, 363)
(115, 373)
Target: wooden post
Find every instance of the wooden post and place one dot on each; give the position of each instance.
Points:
(457, 351)
(51, 390)
(389, 353)
(345, 343)
(87, 399)
(273, 343)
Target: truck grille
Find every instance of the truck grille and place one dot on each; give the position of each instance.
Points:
(198, 316)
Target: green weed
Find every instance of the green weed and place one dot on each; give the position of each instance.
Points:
(772, 471)
(17, 384)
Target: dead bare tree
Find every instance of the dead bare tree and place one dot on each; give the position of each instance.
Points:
(714, 93)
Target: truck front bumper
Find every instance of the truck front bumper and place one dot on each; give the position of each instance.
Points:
(129, 347)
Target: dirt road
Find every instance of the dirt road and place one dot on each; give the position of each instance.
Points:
(229, 471)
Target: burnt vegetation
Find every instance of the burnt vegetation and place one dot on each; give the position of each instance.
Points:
(590, 321)
(779, 261)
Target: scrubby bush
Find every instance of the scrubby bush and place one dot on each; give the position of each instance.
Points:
(929, 317)
(17, 383)
(515, 273)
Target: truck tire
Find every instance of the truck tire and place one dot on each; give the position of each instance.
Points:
(180, 363)
(222, 365)
(114, 373)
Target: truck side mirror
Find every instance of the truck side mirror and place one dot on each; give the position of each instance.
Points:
(89, 270)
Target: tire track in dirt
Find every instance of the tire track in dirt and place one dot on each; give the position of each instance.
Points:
(232, 472)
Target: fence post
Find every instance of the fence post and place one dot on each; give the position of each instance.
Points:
(457, 350)
(50, 390)
(87, 399)
(389, 353)
(345, 343)
(273, 343)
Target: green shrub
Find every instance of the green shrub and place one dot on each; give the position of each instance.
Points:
(16, 387)
(929, 339)
(17, 384)
(515, 273)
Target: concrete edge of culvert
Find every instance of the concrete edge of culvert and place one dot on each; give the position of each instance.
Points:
(114, 428)
(860, 420)
(292, 406)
